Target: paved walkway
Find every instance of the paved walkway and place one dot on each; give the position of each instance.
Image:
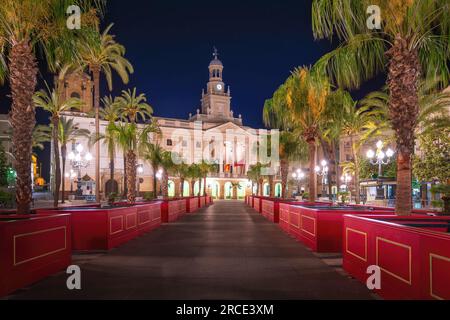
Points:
(225, 251)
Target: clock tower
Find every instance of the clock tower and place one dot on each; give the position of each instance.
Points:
(217, 100)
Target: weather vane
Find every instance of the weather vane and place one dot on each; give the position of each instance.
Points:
(215, 54)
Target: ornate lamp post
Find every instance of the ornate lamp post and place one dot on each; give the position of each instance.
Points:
(78, 161)
(298, 175)
(322, 171)
(380, 158)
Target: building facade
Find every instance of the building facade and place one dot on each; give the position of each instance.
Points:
(213, 133)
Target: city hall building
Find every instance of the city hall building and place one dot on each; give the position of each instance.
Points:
(213, 133)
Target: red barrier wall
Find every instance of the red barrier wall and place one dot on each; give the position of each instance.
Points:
(172, 209)
(191, 204)
(106, 228)
(32, 248)
(414, 262)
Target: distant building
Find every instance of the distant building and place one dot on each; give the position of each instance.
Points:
(213, 132)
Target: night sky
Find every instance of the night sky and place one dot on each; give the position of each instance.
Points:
(170, 45)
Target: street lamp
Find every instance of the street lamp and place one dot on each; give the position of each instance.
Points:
(380, 158)
(322, 171)
(298, 175)
(78, 161)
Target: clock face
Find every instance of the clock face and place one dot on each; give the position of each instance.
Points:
(219, 87)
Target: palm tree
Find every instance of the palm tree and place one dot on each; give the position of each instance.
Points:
(51, 102)
(359, 123)
(133, 142)
(168, 166)
(153, 155)
(291, 146)
(109, 113)
(26, 27)
(102, 54)
(182, 171)
(68, 131)
(205, 168)
(413, 41)
(41, 135)
(252, 175)
(131, 106)
(194, 174)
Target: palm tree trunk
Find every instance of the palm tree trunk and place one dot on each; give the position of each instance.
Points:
(125, 176)
(96, 73)
(181, 186)
(63, 175)
(403, 79)
(356, 162)
(155, 193)
(271, 193)
(312, 172)
(199, 187)
(204, 185)
(192, 188)
(131, 177)
(284, 164)
(55, 123)
(165, 181)
(23, 71)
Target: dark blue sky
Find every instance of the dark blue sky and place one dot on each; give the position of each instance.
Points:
(170, 44)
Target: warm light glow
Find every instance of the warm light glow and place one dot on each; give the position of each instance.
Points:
(317, 169)
(294, 175)
(140, 169)
(67, 175)
(77, 157)
(88, 156)
(381, 155)
(379, 144)
(370, 154)
(389, 152)
(79, 148)
(71, 156)
(323, 163)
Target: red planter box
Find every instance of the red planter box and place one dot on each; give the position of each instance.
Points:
(413, 253)
(191, 204)
(172, 210)
(31, 248)
(321, 229)
(106, 228)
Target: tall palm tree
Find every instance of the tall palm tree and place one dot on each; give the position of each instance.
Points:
(68, 131)
(133, 141)
(51, 102)
(130, 107)
(360, 123)
(102, 54)
(110, 113)
(413, 41)
(26, 27)
(291, 146)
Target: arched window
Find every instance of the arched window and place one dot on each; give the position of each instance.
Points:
(169, 142)
(75, 95)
